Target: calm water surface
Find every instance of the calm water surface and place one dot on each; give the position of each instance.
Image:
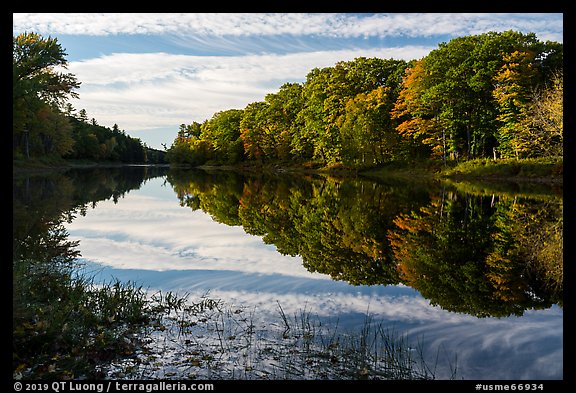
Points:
(471, 274)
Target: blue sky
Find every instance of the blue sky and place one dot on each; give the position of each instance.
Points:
(151, 72)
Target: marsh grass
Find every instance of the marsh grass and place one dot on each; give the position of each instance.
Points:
(65, 324)
(211, 340)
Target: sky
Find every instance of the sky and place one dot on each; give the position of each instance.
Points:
(148, 73)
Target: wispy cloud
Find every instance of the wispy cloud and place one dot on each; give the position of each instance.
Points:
(136, 68)
(322, 24)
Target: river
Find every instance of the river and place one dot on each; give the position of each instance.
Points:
(470, 275)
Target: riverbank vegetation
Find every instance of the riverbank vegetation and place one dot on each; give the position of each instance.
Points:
(213, 340)
(548, 170)
(542, 169)
(491, 96)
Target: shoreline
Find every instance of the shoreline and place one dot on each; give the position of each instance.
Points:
(549, 173)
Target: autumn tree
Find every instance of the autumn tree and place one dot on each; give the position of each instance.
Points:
(466, 97)
(416, 115)
(471, 97)
(543, 125)
(512, 92)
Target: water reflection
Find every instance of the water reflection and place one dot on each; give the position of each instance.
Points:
(42, 202)
(338, 247)
(484, 255)
(477, 254)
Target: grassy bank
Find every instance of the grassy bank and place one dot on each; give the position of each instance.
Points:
(530, 170)
(51, 163)
(424, 170)
(64, 325)
(541, 170)
(545, 170)
(41, 164)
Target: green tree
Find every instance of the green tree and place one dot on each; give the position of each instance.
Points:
(326, 93)
(34, 65)
(223, 132)
(55, 132)
(83, 116)
(459, 87)
(310, 139)
(190, 130)
(255, 131)
(283, 108)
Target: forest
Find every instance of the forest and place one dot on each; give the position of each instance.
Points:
(494, 95)
(44, 122)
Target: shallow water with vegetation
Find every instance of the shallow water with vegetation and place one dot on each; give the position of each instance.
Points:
(279, 276)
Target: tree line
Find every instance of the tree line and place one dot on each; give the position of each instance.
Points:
(493, 95)
(44, 121)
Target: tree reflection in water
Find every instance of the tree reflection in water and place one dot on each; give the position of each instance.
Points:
(484, 255)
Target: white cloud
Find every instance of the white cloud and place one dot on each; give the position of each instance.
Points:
(250, 24)
(510, 344)
(144, 67)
